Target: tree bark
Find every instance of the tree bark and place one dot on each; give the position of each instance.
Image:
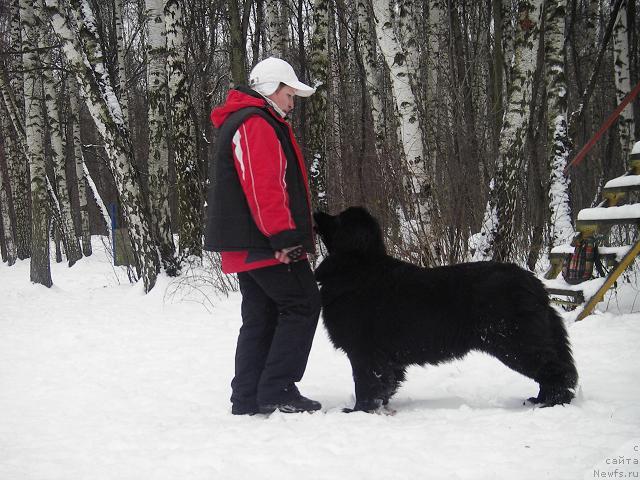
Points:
(317, 114)
(188, 171)
(419, 180)
(5, 203)
(497, 237)
(123, 91)
(626, 124)
(369, 56)
(561, 226)
(278, 28)
(12, 87)
(238, 19)
(58, 157)
(34, 129)
(79, 165)
(158, 158)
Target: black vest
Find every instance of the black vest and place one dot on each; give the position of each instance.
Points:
(229, 223)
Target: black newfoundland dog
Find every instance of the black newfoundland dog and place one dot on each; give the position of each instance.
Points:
(386, 314)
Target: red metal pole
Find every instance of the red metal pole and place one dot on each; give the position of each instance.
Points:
(605, 126)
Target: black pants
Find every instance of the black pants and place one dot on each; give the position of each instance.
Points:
(280, 310)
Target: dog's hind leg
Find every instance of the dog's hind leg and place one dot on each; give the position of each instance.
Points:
(392, 382)
(534, 343)
(557, 374)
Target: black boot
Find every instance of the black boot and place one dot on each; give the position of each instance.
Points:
(295, 405)
(239, 409)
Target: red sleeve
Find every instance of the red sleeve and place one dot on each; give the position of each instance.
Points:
(261, 165)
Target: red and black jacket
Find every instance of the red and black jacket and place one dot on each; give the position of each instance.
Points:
(258, 200)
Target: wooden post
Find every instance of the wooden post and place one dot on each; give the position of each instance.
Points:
(611, 278)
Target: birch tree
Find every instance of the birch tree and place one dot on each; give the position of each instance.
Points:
(12, 87)
(96, 89)
(158, 158)
(496, 238)
(626, 124)
(497, 71)
(189, 178)
(335, 143)
(238, 21)
(368, 54)
(16, 80)
(78, 157)
(561, 226)
(123, 91)
(34, 129)
(436, 23)
(278, 28)
(419, 175)
(319, 66)
(57, 151)
(406, 24)
(5, 202)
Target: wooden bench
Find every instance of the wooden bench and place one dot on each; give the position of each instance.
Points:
(609, 256)
(617, 191)
(634, 161)
(574, 297)
(599, 220)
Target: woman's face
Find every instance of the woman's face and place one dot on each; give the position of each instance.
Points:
(283, 97)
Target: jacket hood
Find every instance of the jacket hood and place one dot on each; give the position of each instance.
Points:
(236, 99)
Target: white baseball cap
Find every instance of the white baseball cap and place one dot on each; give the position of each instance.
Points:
(267, 75)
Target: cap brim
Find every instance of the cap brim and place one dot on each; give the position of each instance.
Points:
(302, 90)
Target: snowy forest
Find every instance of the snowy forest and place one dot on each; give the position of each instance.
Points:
(453, 121)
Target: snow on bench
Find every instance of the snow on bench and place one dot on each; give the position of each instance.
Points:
(611, 214)
(624, 181)
(616, 253)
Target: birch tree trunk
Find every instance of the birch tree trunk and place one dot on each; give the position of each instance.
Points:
(561, 226)
(319, 65)
(88, 67)
(238, 19)
(406, 24)
(188, 171)
(16, 79)
(336, 143)
(497, 74)
(368, 54)
(123, 91)
(22, 157)
(436, 25)
(57, 149)
(34, 128)
(626, 124)
(79, 165)
(158, 159)
(497, 235)
(5, 202)
(419, 176)
(18, 168)
(17, 158)
(277, 26)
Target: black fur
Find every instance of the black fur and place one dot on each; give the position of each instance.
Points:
(386, 314)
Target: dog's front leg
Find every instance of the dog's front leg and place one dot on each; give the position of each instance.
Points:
(367, 385)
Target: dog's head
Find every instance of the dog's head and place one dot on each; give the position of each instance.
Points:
(354, 230)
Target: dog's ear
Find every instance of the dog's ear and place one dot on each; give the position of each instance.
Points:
(325, 226)
(325, 223)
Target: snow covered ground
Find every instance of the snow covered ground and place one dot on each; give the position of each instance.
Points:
(99, 381)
